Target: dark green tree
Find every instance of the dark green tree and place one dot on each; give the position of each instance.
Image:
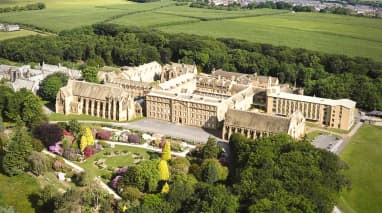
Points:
(25, 106)
(15, 159)
(211, 149)
(2, 128)
(209, 198)
(75, 127)
(50, 86)
(90, 74)
(210, 173)
(144, 176)
(281, 174)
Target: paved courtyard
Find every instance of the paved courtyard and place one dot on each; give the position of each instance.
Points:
(325, 141)
(189, 133)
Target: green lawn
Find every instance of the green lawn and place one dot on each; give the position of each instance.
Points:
(206, 14)
(62, 117)
(69, 14)
(363, 154)
(353, 36)
(145, 20)
(21, 33)
(15, 191)
(113, 161)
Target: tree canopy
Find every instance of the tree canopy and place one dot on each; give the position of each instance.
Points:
(15, 158)
(322, 74)
(280, 174)
(21, 106)
(50, 86)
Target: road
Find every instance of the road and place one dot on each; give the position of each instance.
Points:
(346, 137)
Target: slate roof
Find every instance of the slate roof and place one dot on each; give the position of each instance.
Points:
(95, 91)
(257, 121)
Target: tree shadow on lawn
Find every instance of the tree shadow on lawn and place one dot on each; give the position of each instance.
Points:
(39, 203)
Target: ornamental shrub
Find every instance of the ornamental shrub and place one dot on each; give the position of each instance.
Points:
(103, 135)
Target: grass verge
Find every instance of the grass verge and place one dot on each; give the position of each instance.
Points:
(363, 154)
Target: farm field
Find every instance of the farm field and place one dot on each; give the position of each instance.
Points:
(206, 14)
(21, 33)
(142, 20)
(69, 14)
(351, 36)
(363, 155)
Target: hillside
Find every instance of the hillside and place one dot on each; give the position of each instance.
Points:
(352, 36)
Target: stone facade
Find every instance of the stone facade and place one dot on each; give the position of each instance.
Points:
(190, 107)
(181, 96)
(26, 77)
(98, 100)
(328, 112)
(255, 80)
(254, 125)
(174, 70)
(144, 73)
(137, 89)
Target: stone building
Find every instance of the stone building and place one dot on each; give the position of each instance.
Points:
(246, 79)
(12, 27)
(174, 70)
(104, 101)
(144, 73)
(254, 125)
(193, 109)
(327, 112)
(137, 89)
(30, 78)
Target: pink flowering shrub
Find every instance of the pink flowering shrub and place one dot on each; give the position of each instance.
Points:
(103, 135)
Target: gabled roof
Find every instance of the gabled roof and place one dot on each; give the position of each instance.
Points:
(257, 121)
(95, 91)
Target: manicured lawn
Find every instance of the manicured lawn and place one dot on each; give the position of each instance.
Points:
(113, 161)
(353, 36)
(15, 191)
(20, 33)
(363, 154)
(62, 117)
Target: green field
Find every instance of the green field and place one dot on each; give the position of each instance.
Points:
(15, 191)
(69, 14)
(21, 33)
(363, 154)
(352, 36)
(207, 14)
(143, 20)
